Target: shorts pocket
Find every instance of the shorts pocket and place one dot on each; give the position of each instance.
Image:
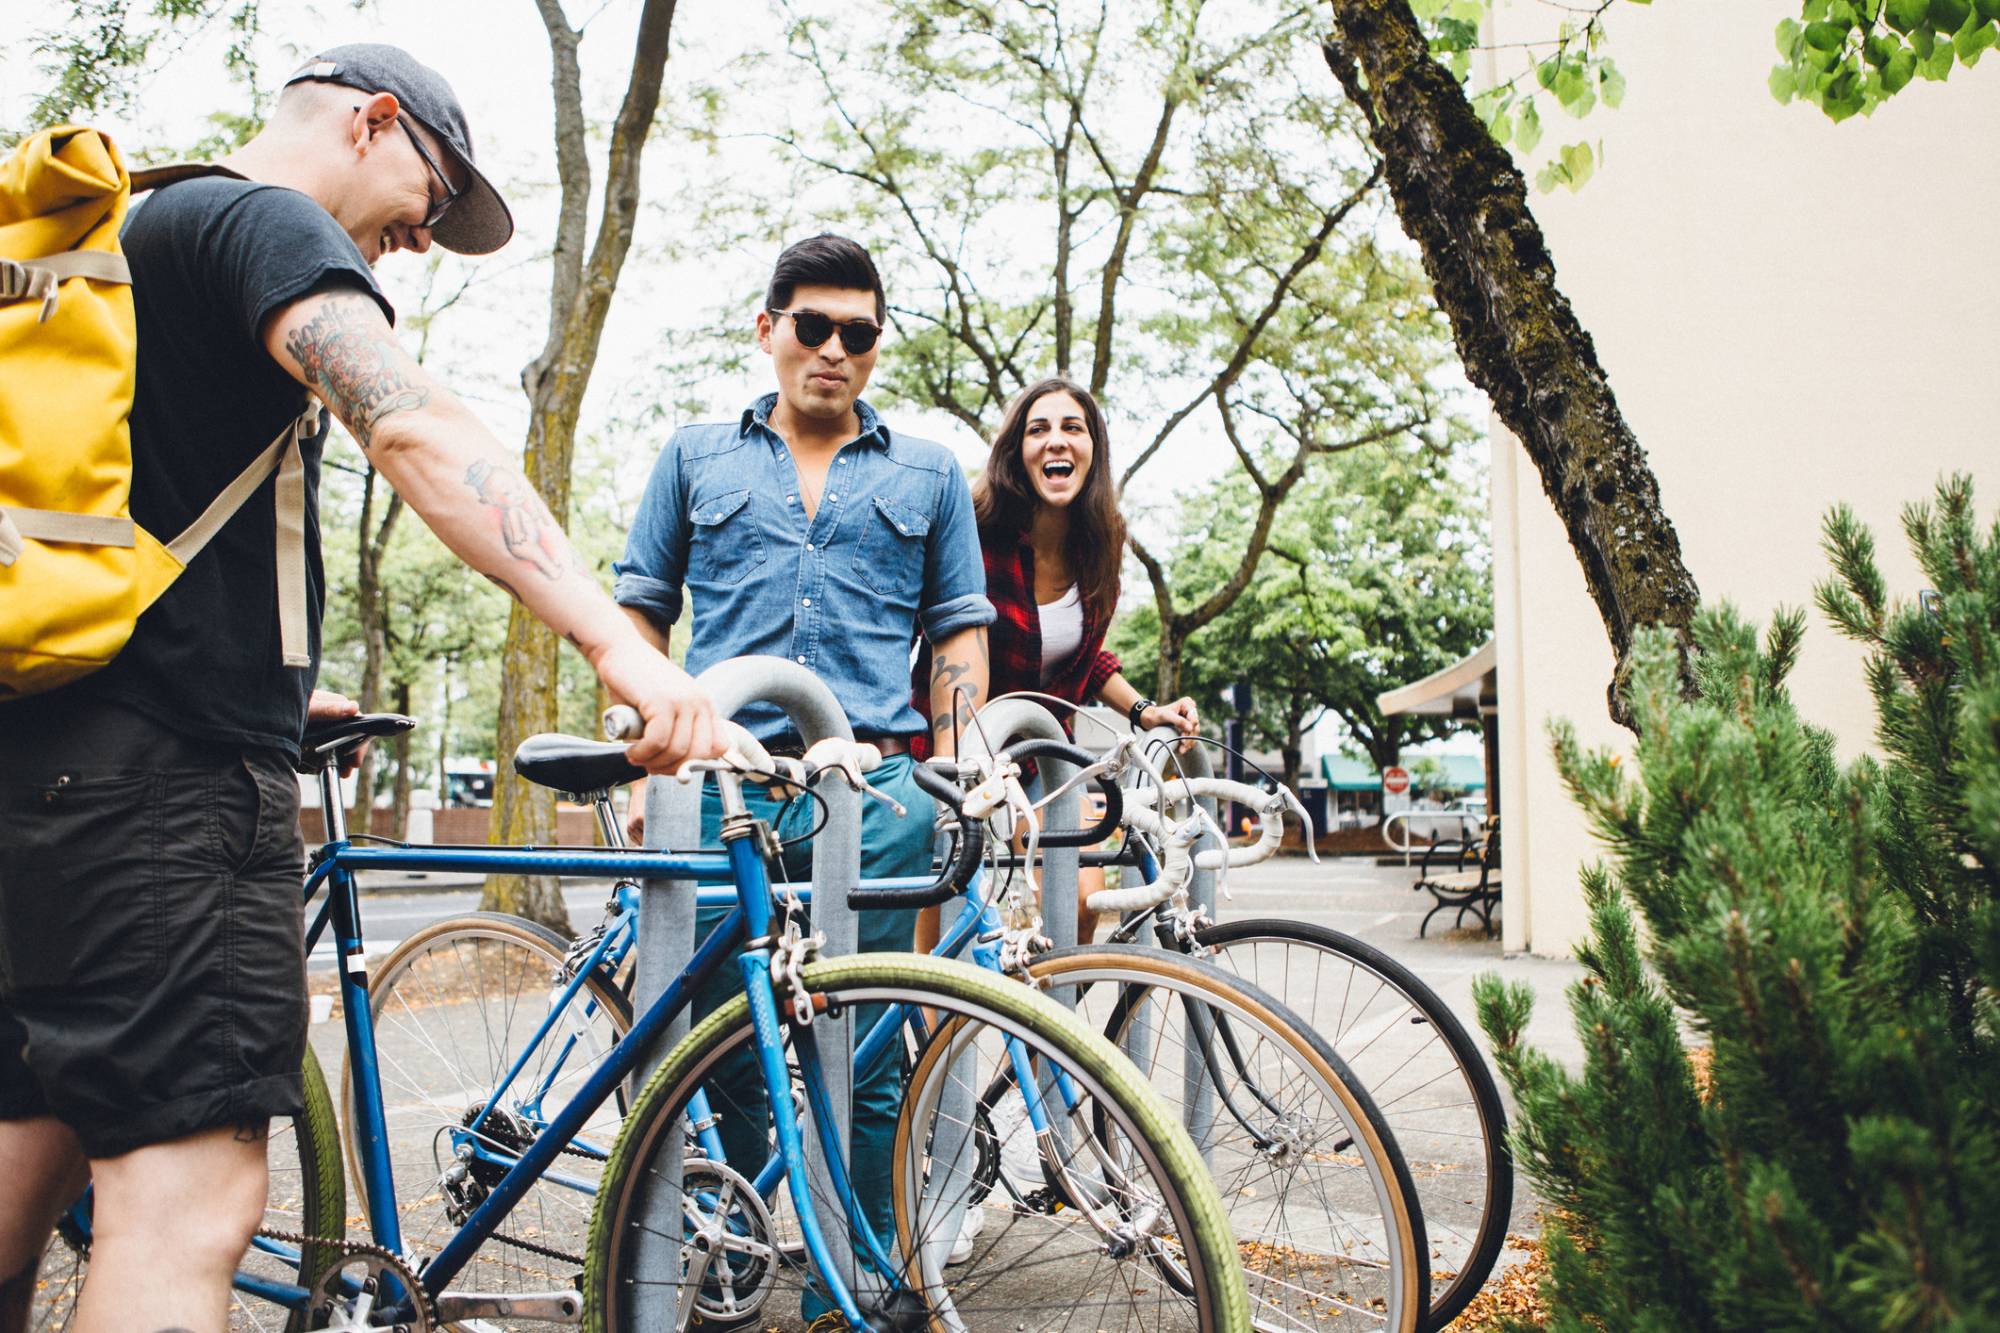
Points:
(81, 880)
(892, 550)
(725, 545)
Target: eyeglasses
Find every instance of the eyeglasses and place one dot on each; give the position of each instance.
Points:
(812, 328)
(438, 209)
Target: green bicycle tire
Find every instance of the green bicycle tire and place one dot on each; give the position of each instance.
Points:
(1221, 1303)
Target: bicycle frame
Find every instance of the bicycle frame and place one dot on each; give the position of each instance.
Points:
(334, 867)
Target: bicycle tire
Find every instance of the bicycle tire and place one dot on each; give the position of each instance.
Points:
(454, 1005)
(305, 1195)
(1319, 1198)
(968, 998)
(1465, 1182)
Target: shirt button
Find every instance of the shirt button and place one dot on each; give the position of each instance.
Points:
(805, 601)
(809, 546)
(840, 460)
(802, 661)
(791, 499)
(832, 496)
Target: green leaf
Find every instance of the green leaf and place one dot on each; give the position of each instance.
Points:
(1938, 67)
(1783, 83)
(1904, 15)
(1528, 128)
(1470, 11)
(1548, 71)
(1825, 36)
(1988, 9)
(1949, 15)
(1455, 35)
(1896, 75)
(1610, 84)
(1579, 162)
(1876, 49)
(1789, 35)
(1551, 175)
(1972, 40)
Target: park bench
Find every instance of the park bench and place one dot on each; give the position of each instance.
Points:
(1465, 874)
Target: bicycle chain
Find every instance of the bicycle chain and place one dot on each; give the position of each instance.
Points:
(349, 1247)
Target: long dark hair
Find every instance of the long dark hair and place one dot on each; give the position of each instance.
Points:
(1004, 499)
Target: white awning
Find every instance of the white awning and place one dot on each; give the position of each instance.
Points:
(1463, 689)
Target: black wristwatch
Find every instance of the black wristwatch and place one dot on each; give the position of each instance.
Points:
(1139, 706)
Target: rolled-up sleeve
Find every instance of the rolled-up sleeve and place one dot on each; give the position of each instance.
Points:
(1102, 668)
(954, 572)
(654, 567)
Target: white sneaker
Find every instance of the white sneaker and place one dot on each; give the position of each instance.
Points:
(1020, 1155)
(969, 1227)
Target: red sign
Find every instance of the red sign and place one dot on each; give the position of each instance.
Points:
(1395, 781)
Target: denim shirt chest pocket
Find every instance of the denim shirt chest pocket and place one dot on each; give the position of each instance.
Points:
(892, 549)
(724, 546)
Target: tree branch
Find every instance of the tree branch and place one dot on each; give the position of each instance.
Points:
(1245, 345)
(1464, 203)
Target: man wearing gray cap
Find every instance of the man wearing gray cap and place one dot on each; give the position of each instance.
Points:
(152, 985)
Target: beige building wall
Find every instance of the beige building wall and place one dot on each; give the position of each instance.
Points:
(1792, 313)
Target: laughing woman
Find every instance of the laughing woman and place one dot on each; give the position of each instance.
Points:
(1053, 539)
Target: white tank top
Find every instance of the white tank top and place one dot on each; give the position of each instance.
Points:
(1062, 631)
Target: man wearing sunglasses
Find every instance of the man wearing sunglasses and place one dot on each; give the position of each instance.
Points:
(152, 983)
(807, 528)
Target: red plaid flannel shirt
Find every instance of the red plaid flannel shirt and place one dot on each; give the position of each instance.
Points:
(1015, 642)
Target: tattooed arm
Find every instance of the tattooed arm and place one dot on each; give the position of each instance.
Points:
(463, 482)
(959, 671)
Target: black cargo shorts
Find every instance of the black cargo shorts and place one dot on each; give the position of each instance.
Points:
(152, 979)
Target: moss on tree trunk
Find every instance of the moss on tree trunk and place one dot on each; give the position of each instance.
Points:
(1464, 203)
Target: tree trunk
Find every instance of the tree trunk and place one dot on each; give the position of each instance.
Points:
(580, 299)
(1294, 750)
(1463, 202)
(399, 803)
(373, 610)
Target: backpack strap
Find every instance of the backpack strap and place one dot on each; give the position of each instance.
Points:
(172, 173)
(38, 279)
(284, 456)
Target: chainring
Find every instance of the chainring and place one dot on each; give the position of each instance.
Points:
(350, 1295)
(731, 1241)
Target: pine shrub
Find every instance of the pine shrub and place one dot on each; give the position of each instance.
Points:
(1831, 935)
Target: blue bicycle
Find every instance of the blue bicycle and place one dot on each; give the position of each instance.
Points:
(1139, 1203)
(511, 1019)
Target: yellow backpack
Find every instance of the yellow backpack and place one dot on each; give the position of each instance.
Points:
(75, 570)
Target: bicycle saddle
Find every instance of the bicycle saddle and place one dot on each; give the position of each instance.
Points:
(572, 765)
(326, 739)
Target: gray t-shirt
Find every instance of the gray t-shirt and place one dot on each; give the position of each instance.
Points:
(212, 259)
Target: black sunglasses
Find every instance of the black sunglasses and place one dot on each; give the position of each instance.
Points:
(438, 210)
(813, 328)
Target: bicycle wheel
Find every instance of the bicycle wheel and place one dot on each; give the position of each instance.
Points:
(1092, 1265)
(1321, 1204)
(456, 1006)
(304, 1197)
(1423, 1070)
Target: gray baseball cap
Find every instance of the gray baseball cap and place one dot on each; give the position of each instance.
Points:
(478, 222)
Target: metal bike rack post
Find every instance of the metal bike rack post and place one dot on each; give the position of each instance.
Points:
(1000, 725)
(1197, 1090)
(666, 939)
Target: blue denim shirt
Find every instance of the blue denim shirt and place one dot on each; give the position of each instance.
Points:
(892, 548)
